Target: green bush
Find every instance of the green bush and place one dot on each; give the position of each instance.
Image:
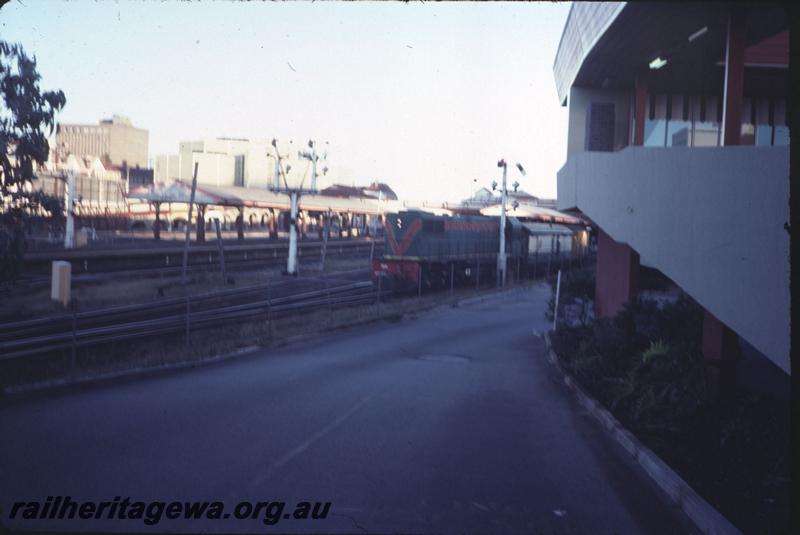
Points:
(657, 349)
(645, 364)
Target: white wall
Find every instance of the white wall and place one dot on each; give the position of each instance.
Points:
(166, 167)
(709, 218)
(214, 169)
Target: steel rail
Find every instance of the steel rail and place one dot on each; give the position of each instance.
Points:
(279, 304)
(15, 327)
(117, 252)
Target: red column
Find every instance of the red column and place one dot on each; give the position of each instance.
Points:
(617, 280)
(734, 80)
(720, 343)
(640, 110)
(721, 352)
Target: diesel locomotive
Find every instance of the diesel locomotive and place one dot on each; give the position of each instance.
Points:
(425, 251)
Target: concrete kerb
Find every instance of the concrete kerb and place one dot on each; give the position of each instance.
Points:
(133, 373)
(703, 515)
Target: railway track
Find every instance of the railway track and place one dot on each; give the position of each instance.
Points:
(170, 258)
(55, 334)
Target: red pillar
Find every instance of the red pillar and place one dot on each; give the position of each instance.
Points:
(640, 110)
(734, 79)
(720, 343)
(721, 352)
(617, 280)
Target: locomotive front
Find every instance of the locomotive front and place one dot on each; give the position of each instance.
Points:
(425, 250)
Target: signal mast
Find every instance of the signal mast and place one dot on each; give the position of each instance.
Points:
(294, 190)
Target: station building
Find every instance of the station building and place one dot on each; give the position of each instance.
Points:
(678, 151)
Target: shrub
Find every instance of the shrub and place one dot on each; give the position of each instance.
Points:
(576, 297)
(645, 363)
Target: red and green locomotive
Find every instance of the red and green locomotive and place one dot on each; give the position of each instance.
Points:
(425, 251)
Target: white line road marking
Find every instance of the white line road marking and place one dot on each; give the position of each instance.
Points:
(481, 506)
(286, 458)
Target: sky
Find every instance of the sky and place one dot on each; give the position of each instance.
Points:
(424, 96)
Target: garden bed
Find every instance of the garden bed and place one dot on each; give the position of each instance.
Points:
(646, 367)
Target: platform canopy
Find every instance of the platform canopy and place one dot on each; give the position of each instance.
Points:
(548, 229)
(533, 212)
(179, 191)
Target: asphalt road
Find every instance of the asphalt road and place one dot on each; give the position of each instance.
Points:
(452, 422)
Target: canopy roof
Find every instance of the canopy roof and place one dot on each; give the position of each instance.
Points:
(547, 228)
(179, 191)
(607, 44)
(534, 212)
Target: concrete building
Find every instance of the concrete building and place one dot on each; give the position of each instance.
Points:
(115, 141)
(242, 162)
(376, 190)
(678, 151)
(99, 190)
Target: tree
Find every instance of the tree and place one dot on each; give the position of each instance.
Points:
(27, 116)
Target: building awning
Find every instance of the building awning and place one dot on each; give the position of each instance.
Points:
(606, 45)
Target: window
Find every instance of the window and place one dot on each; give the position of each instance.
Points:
(695, 121)
(600, 127)
(781, 128)
(705, 122)
(763, 123)
(747, 135)
(679, 127)
(655, 127)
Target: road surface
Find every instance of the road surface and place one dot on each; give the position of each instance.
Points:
(450, 422)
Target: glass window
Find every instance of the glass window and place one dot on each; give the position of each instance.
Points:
(655, 127)
(781, 128)
(678, 128)
(781, 135)
(705, 123)
(632, 129)
(763, 135)
(747, 135)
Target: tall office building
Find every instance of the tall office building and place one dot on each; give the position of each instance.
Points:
(115, 141)
(248, 163)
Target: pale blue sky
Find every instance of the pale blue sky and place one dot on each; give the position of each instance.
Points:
(425, 96)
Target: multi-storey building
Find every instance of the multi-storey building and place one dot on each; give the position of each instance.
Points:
(678, 152)
(239, 162)
(115, 141)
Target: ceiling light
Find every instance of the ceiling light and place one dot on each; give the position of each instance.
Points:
(698, 33)
(657, 63)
